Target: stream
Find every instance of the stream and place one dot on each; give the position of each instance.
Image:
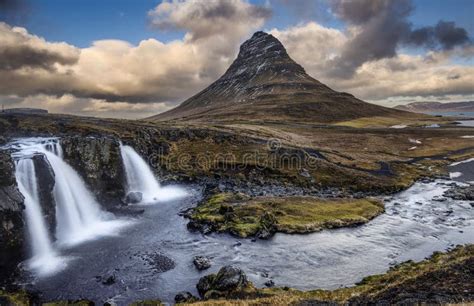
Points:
(414, 225)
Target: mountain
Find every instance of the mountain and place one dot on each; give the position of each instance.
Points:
(437, 107)
(264, 83)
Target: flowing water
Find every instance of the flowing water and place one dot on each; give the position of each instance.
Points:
(414, 225)
(44, 259)
(140, 178)
(78, 216)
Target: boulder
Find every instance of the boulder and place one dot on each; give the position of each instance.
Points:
(185, 297)
(133, 197)
(109, 280)
(229, 279)
(202, 262)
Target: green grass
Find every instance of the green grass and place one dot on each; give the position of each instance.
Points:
(245, 217)
(452, 266)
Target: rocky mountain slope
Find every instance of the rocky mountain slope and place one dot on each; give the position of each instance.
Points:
(433, 107)
(264, 83)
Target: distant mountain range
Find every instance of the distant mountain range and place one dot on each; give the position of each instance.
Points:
(437, 107)
(264, 83)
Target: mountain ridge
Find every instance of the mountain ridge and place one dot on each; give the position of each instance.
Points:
(422, 107)
(264, 83)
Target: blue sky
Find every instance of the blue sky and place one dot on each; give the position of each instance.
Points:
(134, 69)
(82, 22)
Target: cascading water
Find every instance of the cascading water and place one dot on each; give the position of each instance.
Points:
(140, 178)
(76, 210)
(44, 259)
(78, 215)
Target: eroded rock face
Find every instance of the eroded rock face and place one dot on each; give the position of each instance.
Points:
(46, 181)
(11, 218)
(98, 161)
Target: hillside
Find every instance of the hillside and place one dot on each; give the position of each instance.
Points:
(264, 83)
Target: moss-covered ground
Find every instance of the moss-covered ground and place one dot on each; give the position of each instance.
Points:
(243, 216)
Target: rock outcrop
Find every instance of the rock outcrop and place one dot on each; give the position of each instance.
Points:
(230, 280)
(98, 161)
(46, 180)
(11, 218)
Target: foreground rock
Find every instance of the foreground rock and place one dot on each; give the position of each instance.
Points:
(202, 262)
(261, 217)
(229, 281)
(444, 278)
(185, 297)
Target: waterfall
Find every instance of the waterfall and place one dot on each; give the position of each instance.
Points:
(54, 147)
(78, 215)
(140, 178)
(77, 212)
(139, 175)
(44, 259)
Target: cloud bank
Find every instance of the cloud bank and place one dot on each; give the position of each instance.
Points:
(116, 78)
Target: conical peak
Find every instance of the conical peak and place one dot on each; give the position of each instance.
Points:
(261, 54)
(261, 43)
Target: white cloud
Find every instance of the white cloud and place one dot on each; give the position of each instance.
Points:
(432, 75)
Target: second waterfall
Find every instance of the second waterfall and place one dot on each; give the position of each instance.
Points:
(141, 180)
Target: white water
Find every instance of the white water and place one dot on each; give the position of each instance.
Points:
(140, 178)
(78, 215)
(44, 259)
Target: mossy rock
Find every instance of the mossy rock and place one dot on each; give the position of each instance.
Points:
(264, 216)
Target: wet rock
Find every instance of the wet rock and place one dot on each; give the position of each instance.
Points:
(157, 261)
(202, 262)
(133, 197)
(269, 283)
(185, 297)
(99, 162)
(461, 193)
(46, 181)
(11, 218)
(109, 280)
(229, 279)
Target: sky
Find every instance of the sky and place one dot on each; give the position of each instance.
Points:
(136, 58)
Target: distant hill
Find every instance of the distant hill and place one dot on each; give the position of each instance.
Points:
(433, 107)
(264, 83)
(25, 111)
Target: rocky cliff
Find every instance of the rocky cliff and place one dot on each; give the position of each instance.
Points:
(11, 218)
(98, 161)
